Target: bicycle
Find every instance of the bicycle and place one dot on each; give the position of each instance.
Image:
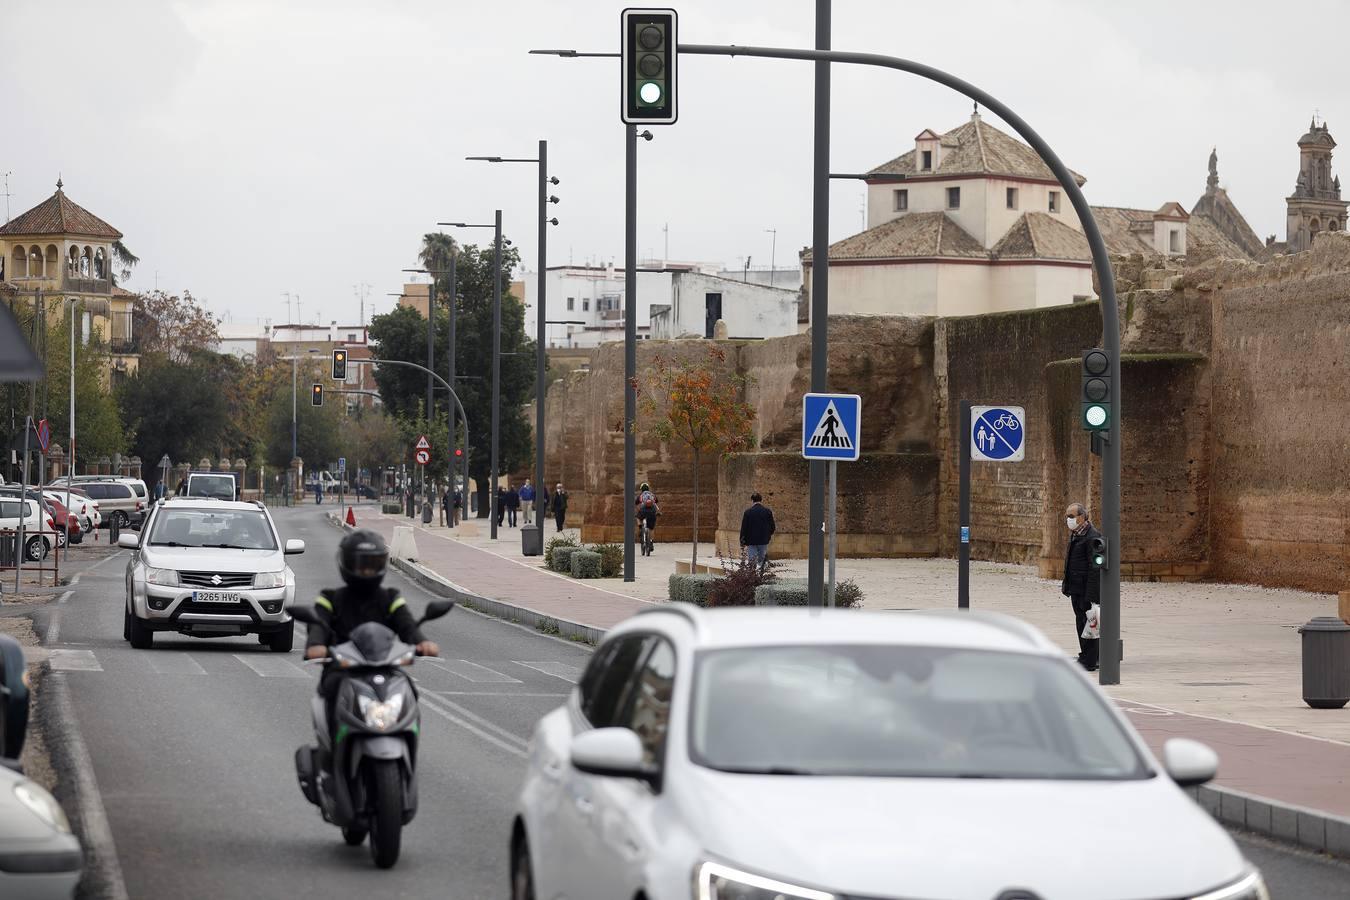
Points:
(1006, 420)
(647, 545)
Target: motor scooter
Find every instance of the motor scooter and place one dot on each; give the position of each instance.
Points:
(363, 772)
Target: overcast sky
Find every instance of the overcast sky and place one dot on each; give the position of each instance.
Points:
(251, 147)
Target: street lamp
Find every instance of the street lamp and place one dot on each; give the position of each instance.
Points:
(295, 360)
(545, 198)
(496, 226)
(450, 365)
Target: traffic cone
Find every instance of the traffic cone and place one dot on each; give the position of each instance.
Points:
(351, 517)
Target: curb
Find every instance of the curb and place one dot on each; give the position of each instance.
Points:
(1310, 829)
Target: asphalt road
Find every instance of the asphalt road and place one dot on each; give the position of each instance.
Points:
(192, 746)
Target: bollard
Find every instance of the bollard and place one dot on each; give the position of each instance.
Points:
(114, 529)
(9, 549)
(1326, 663)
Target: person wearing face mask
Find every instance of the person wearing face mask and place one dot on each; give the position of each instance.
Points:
(1082, 584)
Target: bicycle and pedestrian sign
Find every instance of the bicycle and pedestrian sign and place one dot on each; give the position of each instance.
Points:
(998, 433)
(831, 426)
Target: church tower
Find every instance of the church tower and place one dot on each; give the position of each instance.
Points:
(1316, 204)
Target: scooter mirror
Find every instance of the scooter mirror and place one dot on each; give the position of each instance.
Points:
(438, 608)
(13, 698)
(304, 614)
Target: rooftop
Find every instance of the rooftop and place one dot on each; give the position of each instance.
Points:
(975, 148)
(920, 234)
(58, 214)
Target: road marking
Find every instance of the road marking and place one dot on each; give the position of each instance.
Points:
(167, 662)
(271, 667)
(495, 694)
(556, 669)
(434, 706)
(472, 671)
(74, 661)
(480, 720)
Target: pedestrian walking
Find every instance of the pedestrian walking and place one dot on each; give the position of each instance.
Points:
(446, 503)
(527, 502)
(559, 507)
(1082, 584)
(457, 505)
(757, 528)
(501, 505)
(318, 493)
(512, 504)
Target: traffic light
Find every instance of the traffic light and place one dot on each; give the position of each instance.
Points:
(648, 43)
(458, 453)
(316, 395)
(1098, 556)
(339, 365)
(1096, 391)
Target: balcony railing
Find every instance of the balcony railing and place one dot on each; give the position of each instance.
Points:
(122, 339)
(78, 285)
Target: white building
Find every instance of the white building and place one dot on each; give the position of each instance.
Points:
(750, 310)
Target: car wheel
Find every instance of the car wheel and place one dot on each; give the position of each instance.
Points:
(280, 641)
(121, 519)
(140, 634)
(522, 872)
(126, 624)
(35, 549)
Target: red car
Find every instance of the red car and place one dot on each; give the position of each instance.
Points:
(71, 530)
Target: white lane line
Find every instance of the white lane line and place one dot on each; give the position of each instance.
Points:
(64, 597)
(271, 667)
(428, 703)
(472, 671)
(74, 661)
(479, 720)
(495, 694)
(168, 662)
(556, 669)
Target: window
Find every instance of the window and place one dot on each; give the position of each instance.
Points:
(585, 305)
(901, 200)
(927, 160)
(96, 491)
(230, 529)
(1054, 201)
(954, 198)
(1173, 241)
(351, 337)
(9, 509)
(571, 303)
(648, 714)
(607, 677)
(1012, 198)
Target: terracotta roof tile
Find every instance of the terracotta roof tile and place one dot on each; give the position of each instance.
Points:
(59, 215)
(977, 148)
(920, 234)
(1038, 235)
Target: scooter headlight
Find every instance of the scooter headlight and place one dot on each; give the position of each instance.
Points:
(380, 715)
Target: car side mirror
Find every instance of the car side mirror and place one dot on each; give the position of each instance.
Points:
(437, 608)
(13, 698)
(613, 752)
(304, 614)
(1189, 762)
(294, 546)
(128, 540)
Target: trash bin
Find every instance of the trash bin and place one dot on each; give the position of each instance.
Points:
(426, 513)
(9, 549)
(114, 529)
(1326, 663)
(532, 540)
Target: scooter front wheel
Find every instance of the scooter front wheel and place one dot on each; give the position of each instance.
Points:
(354, 835)
(386, 819)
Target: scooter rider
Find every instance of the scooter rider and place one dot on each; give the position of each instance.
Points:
(363, 559)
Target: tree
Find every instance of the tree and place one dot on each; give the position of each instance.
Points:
(124, 259)
(698, 404)
(173, 326)
(437, 249)
(317, 435)
(98, 422)
(174, 408)
(372, 439)
(401, 334)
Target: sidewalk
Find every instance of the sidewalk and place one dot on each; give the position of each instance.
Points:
(1218, 663)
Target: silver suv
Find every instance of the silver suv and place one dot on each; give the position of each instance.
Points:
(209, 568)
(120, 499)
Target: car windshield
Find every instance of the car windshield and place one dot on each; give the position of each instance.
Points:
(219, 486)
(903, 711)
(238, 529)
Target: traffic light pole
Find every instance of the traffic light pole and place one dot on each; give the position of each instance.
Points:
(454, 422)
(820, 306)
(630, 350)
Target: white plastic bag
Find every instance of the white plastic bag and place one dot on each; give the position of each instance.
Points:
(1093, 629)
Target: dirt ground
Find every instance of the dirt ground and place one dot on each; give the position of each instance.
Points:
(36, 760)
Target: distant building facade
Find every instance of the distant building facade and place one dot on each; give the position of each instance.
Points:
(698, 302)
(1316, 204)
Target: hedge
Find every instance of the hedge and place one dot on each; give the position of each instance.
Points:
(611, 559)
(391, 509)
(562, 559)
(792, 592)
(690, 588)
(560, 540)
(585, 564)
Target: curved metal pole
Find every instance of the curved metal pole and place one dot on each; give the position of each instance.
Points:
(1101, 263)
(446, 385)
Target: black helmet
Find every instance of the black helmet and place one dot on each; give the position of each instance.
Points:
(645, 487)
(363, 558)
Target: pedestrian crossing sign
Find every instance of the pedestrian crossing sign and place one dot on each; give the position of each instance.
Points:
(831, 426)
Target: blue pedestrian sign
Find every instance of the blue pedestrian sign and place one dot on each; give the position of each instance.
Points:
(831, 426)
(342, 464)
(998, 433)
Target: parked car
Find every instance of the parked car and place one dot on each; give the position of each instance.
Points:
(39, 526)
(120, 499)
(85, 509)
(822, 754)
(40, 858)
(67, 524)
(209, 568)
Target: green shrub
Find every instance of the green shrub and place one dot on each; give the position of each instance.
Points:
(792, 592)
(561, 540)
(562, 558)
(611, 559)
(391, 509)
(690, 588)
(738, 582)
(585, 564)
(847, 594)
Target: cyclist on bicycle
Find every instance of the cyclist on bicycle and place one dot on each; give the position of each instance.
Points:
(647, 511)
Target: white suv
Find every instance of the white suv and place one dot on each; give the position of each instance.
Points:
(209, 568)
(794, 754)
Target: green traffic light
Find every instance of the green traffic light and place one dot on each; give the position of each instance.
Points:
(1095, 416)
(650, 92)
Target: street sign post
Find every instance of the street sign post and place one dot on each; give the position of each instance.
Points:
(832, 431)
(423, 457)
(989, 434)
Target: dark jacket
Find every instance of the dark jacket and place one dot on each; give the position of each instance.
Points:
(512, 499)
(559, 502)
(1081, 581)
(344, 608)
(446, 501)
(757, 525)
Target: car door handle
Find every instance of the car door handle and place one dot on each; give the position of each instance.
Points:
(584, 806)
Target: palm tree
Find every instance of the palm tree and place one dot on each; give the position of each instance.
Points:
(437, 249)
(125, 259)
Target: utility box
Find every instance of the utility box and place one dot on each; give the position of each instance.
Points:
(1326, 663)
(532, 540)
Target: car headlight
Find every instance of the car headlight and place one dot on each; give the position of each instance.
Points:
(43, 805)
(714, 881)
(380, 716)
(165, 577)
(1249, 887)
(270, 579)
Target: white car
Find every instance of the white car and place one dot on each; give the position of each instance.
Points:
(80, 505)
(794, 754)
(39, 529)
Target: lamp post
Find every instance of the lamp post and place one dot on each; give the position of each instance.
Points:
(541, 306)
(496, 226)
(453, 414)
(295, 361)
